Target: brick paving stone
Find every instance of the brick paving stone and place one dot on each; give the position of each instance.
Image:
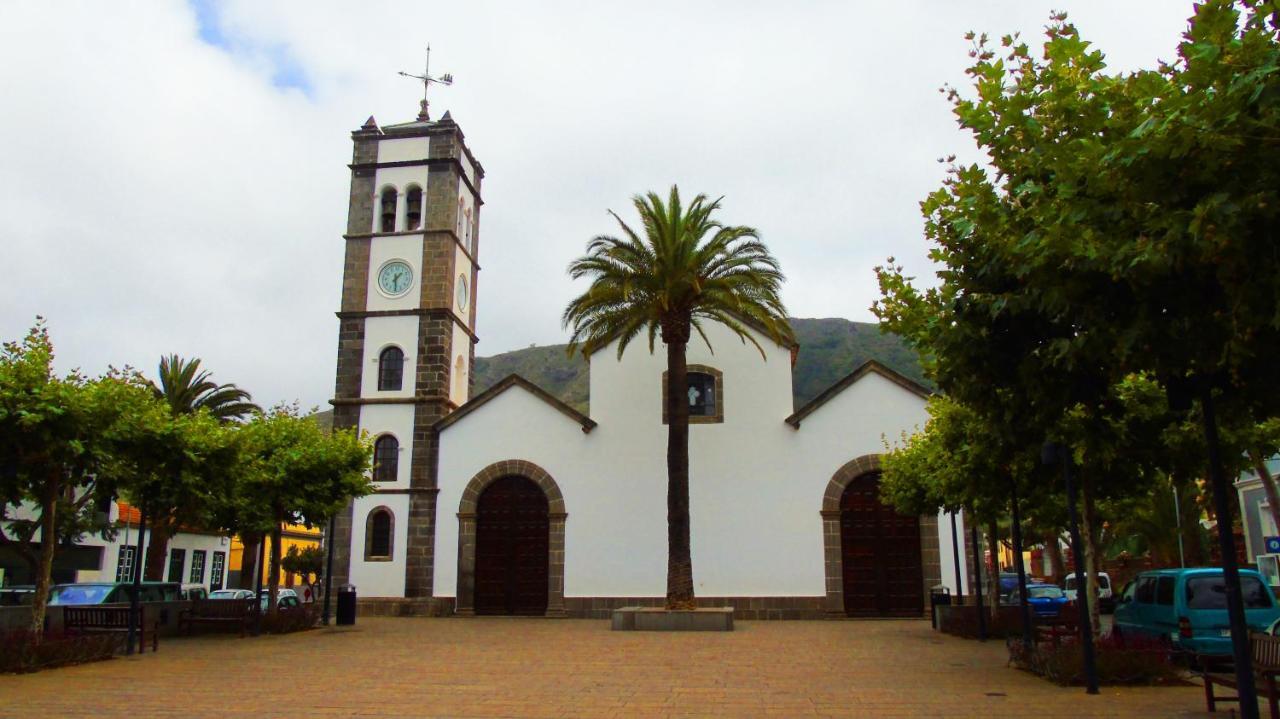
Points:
(500, 667)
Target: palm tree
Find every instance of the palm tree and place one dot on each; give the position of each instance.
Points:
(187, 389)
(687, 269)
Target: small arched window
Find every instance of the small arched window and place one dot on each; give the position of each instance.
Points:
(386, 458)
(467, 242)
(388, 210)
(458, 230)
(390, 369)
(378, 535)
(413, 211)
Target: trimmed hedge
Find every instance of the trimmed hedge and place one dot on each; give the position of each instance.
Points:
(1119, 662)
(27, 651)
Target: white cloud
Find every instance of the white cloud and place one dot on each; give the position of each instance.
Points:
(160, 194)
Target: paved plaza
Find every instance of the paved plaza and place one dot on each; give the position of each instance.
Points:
(499, 667)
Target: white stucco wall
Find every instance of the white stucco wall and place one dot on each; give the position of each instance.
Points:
(403, 149)
(397, 247)
(756, 484)
(459, 384)
(380, 333)
(382, 578)
(395, 419)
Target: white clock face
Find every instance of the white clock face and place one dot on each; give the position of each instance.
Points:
(462, 292)
(395, 278)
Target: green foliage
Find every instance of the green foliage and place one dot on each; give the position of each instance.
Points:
(686, 269)
(187, 389)
(307, 563)
(295, 473)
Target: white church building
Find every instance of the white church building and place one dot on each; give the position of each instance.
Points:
(512, 502)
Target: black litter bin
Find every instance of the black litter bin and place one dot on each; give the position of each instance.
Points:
(939, 596)
(346, 604)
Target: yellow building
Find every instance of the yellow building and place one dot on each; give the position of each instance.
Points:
(294, 535)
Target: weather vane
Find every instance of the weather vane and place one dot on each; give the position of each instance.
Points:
(425, 77)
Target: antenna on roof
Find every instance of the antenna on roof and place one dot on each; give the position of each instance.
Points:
(427, 79)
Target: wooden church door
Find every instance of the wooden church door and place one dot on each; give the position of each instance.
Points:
(880, 549)
(512, 548)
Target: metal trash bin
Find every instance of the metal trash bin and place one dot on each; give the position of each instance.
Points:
(346, 614)
(939, 596)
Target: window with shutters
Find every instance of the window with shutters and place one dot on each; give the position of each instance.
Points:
(390, 369)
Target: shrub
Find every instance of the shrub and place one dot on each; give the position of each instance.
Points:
(26, 651)
(291, 620)
(1130, 661)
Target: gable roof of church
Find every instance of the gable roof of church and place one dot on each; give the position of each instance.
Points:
(515, 380)
(862, 371)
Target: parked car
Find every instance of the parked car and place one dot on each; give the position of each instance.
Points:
(1188, 608)
(193, 592)
(1106, 600)
(285, 599)
(231, 594)
(111, 592)
(17, 595)
(1046, 600)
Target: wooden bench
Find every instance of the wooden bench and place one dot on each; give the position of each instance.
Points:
(221, 612)
(115, 620)
(1266, 666)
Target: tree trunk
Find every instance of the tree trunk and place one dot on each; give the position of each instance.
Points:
(993, 569)
(48, 544)
(1268, 484)
(1053, 549)
(273, 581)
(158, 549)
(1092, 530)
(248, 559)
(679, 557)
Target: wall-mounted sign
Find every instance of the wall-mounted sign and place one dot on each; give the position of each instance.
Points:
(1272, 544)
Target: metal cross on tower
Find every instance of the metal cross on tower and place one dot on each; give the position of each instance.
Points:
(425, 77)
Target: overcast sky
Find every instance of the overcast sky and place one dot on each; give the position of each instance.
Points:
(174, 174)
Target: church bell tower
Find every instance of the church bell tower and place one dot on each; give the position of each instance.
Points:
(406, 338)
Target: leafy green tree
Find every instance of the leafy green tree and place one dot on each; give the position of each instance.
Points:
(307, 563)
(683, 269)
(296, 474)
(62, 440)
(188, 390)
(1125, 225)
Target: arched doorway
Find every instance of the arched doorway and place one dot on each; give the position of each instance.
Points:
(880, 553)
(512, 550)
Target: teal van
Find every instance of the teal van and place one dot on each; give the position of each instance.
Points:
(1188, 607)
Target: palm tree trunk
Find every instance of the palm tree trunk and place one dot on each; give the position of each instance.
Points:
(679, 558)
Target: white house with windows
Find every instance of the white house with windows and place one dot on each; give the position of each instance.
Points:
(511, 502)
(193, 557)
